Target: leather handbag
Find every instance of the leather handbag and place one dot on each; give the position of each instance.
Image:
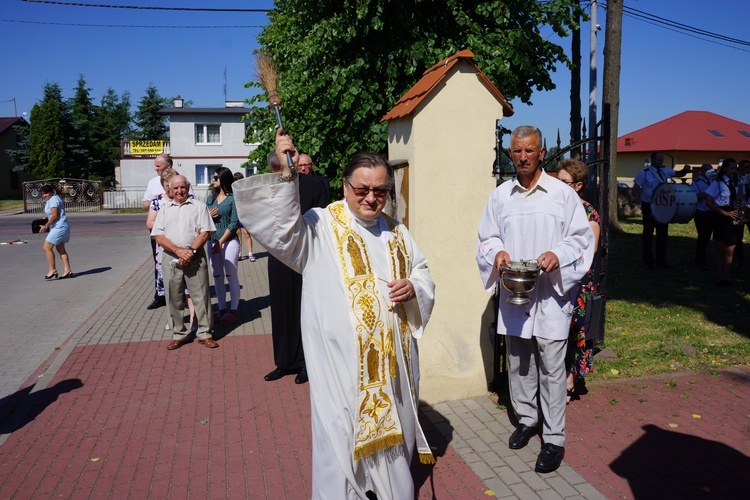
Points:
(36, 224)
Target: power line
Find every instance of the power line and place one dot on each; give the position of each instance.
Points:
(684, 29)
(125, 25)
(645, 15)
(139, 7)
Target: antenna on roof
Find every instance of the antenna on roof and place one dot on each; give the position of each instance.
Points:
(225, 83)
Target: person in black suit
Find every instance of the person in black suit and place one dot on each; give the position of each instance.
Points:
(285, 288)
(307, 167)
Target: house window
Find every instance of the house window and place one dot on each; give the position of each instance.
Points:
(745, 133)
(204, 173)
(251, 170)
(207, 133)
(716, 132)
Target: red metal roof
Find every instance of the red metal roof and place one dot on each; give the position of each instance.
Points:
(688, 131)
(432, 78)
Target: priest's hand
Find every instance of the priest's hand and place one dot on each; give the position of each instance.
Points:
(284, 145)
(548, 262)
(502, 259)
(401, 291)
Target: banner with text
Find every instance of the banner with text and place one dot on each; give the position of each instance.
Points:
(146, 147)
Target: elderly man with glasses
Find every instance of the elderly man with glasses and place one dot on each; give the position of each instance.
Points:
(366, 297)
(306, 166)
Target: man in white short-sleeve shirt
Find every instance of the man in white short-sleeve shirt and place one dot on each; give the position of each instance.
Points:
(154, 188)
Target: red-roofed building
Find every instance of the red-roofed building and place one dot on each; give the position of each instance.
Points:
(10, 181)
(689, 138)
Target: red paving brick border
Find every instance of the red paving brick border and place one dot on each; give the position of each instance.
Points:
(682, 435)
(135, 420)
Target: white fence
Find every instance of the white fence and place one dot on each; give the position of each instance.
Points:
(131, 198)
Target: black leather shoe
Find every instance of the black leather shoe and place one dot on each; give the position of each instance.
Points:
(521, 436)
(277, 374)
(550, 458)
(157, 303)
(301, 377)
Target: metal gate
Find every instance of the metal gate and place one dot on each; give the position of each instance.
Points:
(77, 194)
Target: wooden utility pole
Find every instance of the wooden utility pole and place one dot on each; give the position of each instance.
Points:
(611, 98)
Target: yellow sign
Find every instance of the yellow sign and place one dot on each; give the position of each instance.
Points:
(146, 147)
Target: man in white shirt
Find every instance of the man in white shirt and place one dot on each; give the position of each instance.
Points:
(154, 188)
(536, 217)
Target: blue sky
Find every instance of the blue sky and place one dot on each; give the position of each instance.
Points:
(663, 72)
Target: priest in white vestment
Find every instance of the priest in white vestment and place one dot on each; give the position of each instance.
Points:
(536, 217)
(366, 297)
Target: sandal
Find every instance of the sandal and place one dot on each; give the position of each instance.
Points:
(51, 276)
(251, 257)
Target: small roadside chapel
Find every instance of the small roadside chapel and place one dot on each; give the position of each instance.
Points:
(441, 139)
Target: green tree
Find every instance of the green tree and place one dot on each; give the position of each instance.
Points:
(83, 159)
(47, 155)
(113, 124)
(150, 125)
(343, 63)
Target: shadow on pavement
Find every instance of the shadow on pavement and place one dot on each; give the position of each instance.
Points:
(249, 310)
(96, 270)
(422, 473)
(29, 405)
(667, 464)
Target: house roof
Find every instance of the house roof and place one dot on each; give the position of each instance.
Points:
(203, 111)
(688, 131)
(432, 78)
(8, 122)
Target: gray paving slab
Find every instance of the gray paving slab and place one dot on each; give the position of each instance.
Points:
(479, 431)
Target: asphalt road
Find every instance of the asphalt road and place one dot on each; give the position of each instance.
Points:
(37, 316)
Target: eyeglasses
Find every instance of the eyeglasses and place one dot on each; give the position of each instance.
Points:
(216, 177)
(363, 191)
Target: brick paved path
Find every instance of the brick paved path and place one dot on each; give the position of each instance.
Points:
(114, 414)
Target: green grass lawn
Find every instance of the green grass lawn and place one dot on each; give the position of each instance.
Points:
(649, 313)
(10, 204)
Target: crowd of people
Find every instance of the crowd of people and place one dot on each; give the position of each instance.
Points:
(722, 211)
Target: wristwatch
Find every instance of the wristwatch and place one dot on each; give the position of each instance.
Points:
(193, 250)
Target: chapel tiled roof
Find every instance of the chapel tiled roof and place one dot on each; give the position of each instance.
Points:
(688, 131)
(432, 78)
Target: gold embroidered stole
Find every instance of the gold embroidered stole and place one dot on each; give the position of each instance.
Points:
(376, 325)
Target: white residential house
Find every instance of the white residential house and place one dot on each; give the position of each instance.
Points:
(201, 140)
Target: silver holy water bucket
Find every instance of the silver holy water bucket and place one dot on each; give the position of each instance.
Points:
(519, 279)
